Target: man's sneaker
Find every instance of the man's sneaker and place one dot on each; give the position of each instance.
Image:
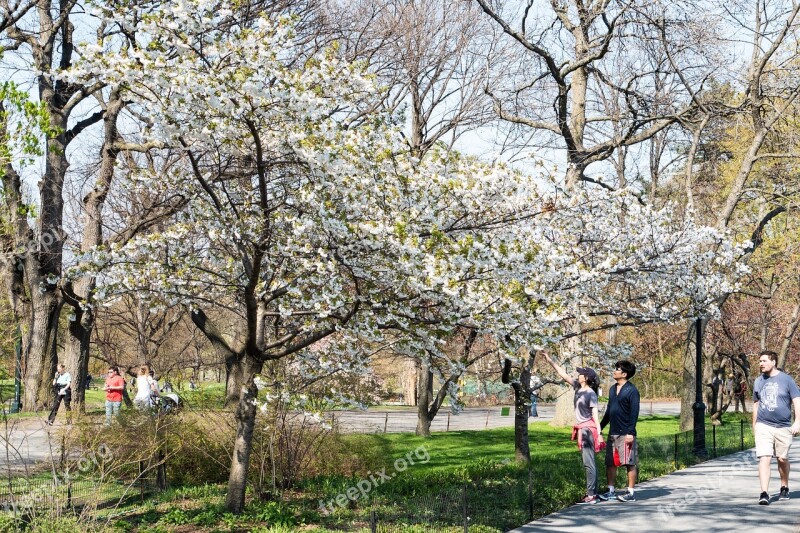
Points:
(610, 495)
(626, 497)
(784, 493)
(588, 500)
(763, 499)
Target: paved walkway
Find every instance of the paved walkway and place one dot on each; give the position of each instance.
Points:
(404, 419)
(25, 443)
(718, 495)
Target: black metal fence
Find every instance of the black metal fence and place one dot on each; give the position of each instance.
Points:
(60, 493)
(493, 503)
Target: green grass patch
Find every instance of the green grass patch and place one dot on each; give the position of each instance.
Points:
(447, 467)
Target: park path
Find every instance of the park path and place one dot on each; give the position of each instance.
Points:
(718, 495)
(404, 419)
(26, 442)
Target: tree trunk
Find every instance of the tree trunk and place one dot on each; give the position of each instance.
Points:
(42, 338)
(522, 404)
(424, 400)
(80, 293)
(245, 425)
(76, 354)
(234, 380)
(565, 409)
(688, 392)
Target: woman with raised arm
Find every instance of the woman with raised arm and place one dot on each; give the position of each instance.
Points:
(587, 427)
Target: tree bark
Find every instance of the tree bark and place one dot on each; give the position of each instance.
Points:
(76, 352)
(80, 293)
(245, 425)
(424, 400)
(41, 341)
(522, 405)
(234, 358)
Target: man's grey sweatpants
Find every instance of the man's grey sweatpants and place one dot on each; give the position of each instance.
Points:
(588, 461)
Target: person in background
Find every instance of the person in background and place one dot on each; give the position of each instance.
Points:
(587, 427)
(739, 393)
(62, 383)
(145, 388)
(774, 394)
(156, 387)
(729, 388)
(114, 386)
(535, 386)
(623, 413)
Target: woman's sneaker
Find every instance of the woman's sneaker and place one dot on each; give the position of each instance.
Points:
(763, 499)
(610, 495)
(588, 500)
(784, 495)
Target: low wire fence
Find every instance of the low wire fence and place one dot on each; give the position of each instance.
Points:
(507, 498)
(56, 495)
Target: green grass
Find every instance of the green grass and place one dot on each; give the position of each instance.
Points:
(480, 463)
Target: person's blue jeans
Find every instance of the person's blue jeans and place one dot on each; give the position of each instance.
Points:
(112, 409)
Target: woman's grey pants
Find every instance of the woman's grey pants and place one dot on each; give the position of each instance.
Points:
(587, 451)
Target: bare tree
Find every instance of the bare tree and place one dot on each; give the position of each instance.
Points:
(40, 34)
(585, 79)
(765, 99)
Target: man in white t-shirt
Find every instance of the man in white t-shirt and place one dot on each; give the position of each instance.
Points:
(62, 384)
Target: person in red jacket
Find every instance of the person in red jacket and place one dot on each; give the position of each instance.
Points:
(114, 386)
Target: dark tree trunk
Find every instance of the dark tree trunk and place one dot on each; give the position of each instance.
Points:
(522, 405)
(39, 367)
(80, 293)
(424, 401)
(234, 358)
(76, 353)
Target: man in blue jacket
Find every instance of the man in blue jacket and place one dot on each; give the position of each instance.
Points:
(622, 449)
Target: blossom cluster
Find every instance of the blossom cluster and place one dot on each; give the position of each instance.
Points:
(318, 214)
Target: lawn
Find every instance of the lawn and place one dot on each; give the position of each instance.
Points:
(448, 467)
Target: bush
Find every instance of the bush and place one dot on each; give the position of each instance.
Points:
(202, 450)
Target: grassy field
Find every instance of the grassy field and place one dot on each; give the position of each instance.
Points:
(475, 464)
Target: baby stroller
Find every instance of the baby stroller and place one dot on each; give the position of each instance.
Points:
(166, 403)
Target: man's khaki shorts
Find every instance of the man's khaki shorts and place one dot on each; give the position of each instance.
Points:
(620, 453)
(772, 442)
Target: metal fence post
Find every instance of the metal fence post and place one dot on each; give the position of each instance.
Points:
(466, 516)
(448, 422)
(141, 480)
(741, 435)
(530, 492)
(675, 450)
(386, 422)
(373, 522)
(714, 439)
